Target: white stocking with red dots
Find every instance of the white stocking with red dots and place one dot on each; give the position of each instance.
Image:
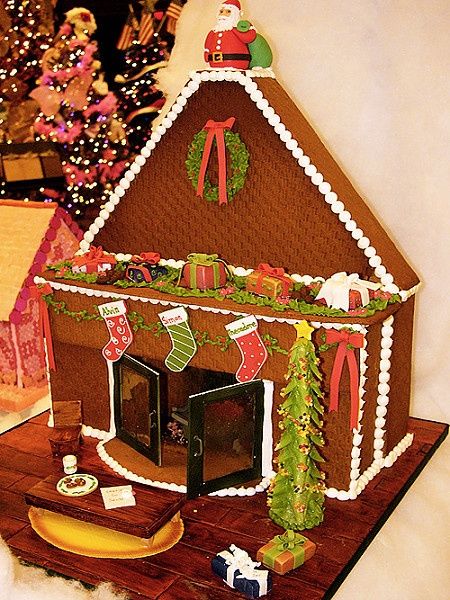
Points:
(121, 336)
(254, 353)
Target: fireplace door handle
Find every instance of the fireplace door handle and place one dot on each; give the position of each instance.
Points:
(200, 446)
(152, 416)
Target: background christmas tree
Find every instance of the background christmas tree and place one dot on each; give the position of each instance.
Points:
(79, 113)
(26, 27)
(296, 494)
(146, 41)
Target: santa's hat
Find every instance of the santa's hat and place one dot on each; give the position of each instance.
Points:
(235, 3)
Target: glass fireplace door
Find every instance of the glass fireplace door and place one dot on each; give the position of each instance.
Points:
(225, 437)
(137, 407)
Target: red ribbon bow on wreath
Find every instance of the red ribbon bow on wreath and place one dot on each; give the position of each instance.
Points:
(215, 130)
(347, 342)
(44, 322)
(265, 270)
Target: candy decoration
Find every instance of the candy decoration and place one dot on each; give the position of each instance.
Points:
(121, 336)
(183, 344)
(253, 351)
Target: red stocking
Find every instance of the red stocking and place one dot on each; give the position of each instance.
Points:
(254, 353)
(115, 315)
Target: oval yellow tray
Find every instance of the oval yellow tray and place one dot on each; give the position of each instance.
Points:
(95, 541)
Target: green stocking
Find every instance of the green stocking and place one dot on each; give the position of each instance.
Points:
(183, 344)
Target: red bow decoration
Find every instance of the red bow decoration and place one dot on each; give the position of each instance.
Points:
(215, 129)
(265, 270)
(93, 258)
(44, 322)
(347, 342)
(152, 258)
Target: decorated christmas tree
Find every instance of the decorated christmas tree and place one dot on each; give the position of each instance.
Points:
(297, 492)
(79, 113)
(26, 27)
(146, 41)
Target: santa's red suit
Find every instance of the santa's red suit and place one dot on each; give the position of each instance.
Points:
(229, 48)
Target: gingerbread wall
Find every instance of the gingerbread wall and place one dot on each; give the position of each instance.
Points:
(278, 217)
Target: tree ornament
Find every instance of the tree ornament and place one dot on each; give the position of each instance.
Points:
(218, 134)
(183, 343)
(253, 351)
(297, 492)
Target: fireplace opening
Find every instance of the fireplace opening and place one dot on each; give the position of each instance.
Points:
(197, 428)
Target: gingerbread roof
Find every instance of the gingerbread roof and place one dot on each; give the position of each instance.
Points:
(297, 208)
(27, 233)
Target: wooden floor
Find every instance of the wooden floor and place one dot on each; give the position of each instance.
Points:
(211, 525)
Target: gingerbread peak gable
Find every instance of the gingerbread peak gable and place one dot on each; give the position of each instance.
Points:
(333, 192)
(27, 231)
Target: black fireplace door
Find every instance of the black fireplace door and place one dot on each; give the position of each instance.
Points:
(137, 406)
(225, 437)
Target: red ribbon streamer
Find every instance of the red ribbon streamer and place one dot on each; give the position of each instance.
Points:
(265, 270)
(44, 322)
(347, 342)
(215, 129)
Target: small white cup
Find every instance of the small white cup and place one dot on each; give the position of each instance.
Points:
(70, 464)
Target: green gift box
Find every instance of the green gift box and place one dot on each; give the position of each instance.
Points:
(286, 552)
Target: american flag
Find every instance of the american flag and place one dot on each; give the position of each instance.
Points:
(172, 14)
(146, 29)
(127, 35)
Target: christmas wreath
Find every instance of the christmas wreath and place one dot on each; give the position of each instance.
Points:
(239, 158)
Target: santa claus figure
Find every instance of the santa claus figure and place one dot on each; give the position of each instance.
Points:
(226, 46)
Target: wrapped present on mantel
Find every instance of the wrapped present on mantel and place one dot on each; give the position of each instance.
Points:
(93, 261)
(269, 281)
(204, 271)
(238, 571)
(286, 552)
(347, 292)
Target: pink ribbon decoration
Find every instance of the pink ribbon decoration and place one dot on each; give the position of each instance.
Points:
(347, 342)
(215, 130)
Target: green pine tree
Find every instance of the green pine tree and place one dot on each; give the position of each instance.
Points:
(296, 494)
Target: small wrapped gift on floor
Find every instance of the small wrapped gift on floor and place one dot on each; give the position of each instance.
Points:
(286, 552)
(268, 281)
(239, 572)
(204, 272)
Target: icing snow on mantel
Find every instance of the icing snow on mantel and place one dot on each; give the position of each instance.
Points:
(246, 79)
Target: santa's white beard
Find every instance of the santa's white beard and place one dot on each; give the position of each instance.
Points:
(227, 23)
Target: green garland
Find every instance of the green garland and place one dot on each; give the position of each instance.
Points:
(167, 284)
(239, 158)
(222, 342)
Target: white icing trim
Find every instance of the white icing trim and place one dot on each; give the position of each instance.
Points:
(245, 78)
(111, 385)
(98, 434)
(383, 388)
(118, 468)
(372, 471)
(267, 443)
(116, 295)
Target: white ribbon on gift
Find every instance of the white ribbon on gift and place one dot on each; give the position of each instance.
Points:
(239, 560)
(336, 290)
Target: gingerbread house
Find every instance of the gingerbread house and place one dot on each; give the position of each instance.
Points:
(295, 209)
(32, 235)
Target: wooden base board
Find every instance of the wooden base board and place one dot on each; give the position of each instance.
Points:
(212, 524)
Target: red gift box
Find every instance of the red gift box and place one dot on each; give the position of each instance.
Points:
(94, 261)
(203, 272)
